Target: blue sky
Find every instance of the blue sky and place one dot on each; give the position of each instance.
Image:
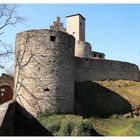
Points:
(110, 28)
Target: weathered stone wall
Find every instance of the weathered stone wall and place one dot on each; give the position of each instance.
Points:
(44, 75)
(75, 25)
(97, 55)
(82, 49)
(91, 69)
(7, 80)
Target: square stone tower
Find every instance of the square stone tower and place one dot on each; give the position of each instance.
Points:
(75, 25)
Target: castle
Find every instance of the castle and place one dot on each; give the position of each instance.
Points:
(50, 61)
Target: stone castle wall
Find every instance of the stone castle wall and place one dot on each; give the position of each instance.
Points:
(46, 70)
(44, 75)
(94, 69)
(7, 80)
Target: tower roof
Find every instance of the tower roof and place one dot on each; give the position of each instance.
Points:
(76, 15)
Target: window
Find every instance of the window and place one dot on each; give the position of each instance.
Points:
(94, 55)
(2, 89)
(52, 38)
(2, 94)
(100, 56)
(46, 89)
(80, 23)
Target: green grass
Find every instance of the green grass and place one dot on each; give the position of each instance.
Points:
(72, 125)
(68, 125)
(130, 90)
(118, 127)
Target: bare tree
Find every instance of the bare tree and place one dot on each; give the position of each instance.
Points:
(8, 17)
(22, 91)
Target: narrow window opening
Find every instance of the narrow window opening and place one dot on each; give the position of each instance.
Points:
(46, 89)
(52, 38)
(86, 59)
(94, 55)
(2, 89)
(100, 56)
(80, 23)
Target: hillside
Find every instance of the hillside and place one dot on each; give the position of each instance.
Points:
(129, 90)
(100, 109)
(105, 98)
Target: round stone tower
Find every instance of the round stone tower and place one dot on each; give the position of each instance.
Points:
(82, 49)
(44, 74)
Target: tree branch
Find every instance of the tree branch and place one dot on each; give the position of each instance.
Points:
(8, 16)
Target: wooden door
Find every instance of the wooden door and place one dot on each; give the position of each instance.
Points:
(6, 94)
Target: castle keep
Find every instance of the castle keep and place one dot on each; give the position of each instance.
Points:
(49, 62)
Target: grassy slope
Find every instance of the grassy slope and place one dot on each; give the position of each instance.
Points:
(72, 125)
(130, 90)
(117, 126)
(114, 125)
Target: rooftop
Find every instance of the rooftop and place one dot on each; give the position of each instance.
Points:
(76, 15)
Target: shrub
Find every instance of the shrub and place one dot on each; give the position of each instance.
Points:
(66, 127)
(54, 127)
(83, 128)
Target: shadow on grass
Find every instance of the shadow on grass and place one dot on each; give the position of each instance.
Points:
(27, 125)
(92, 99)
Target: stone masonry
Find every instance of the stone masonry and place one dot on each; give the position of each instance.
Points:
(44, 75)
(57, 25)
(46, 66)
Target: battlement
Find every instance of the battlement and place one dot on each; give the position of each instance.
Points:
(57, 25)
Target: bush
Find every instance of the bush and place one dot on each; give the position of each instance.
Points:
(54, 127)
(66, 127)
(83, 128)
